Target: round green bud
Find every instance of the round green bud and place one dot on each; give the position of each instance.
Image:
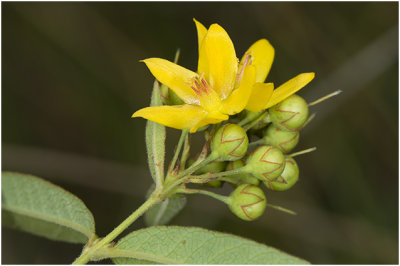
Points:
(283, 140)
(290, 114)
(247, 202)
(169, 97)
(266, 163)
(287, 179)
(229, 143)
(243, 178)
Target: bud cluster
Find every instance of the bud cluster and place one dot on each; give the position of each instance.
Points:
(267, 165)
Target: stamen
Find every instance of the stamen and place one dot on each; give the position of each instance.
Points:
(194, 89)
(204, 83)
(196, 82)
(247, 61)
(200, 85)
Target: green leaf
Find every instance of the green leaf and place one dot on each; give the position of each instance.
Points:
(155, 141)
(163, 212)
(190, 245)
(36, 206)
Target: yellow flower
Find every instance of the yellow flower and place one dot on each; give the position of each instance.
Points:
(221, 86)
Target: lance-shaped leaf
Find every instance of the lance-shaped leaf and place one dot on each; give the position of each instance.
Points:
(190, 245)
(36, 206)
(155, 141)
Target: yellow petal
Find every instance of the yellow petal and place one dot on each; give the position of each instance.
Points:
(260, 96)
(217, 60)
(175, 77)
(238, 99)
(290, 87)
(262, 54)
(178, 116)
(210, 119)
(201, 32)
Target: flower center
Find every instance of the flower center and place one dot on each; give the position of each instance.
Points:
(200, 85)
(208, 98)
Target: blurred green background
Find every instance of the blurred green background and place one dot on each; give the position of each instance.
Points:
(72, 78)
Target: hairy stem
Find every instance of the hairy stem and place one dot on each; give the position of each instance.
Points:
(255, 121)
(184, 175)
(204, 192)
(178, 150)
(257, 142)
(88, 253)
(220, 174)
(185, 153)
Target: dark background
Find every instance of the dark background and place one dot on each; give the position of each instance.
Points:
(72, 79)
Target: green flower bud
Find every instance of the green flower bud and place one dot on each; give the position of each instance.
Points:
(229, 143)
(290, 114)
(266, 163)
(243, 178)
(287, 179)
(283, 140)
(248, 202)
(169, 97)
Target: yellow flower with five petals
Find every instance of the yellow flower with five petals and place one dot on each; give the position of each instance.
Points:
(221, 86)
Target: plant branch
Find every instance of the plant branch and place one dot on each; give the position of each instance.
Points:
(89, 251)
(224, 199)
(178, 150)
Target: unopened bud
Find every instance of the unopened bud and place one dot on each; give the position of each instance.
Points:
(229, 143)
(290, 114)
(287, 179)
(266, 163)
(283, 140)
(248, 202)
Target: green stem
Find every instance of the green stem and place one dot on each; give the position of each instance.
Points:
(255, 121)
(86, 255)
(257, 142)
(184, 175)
(178, 150)
(224, 199)
(220, 174)
(250, 117)
(185, 153)
(229, 180)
